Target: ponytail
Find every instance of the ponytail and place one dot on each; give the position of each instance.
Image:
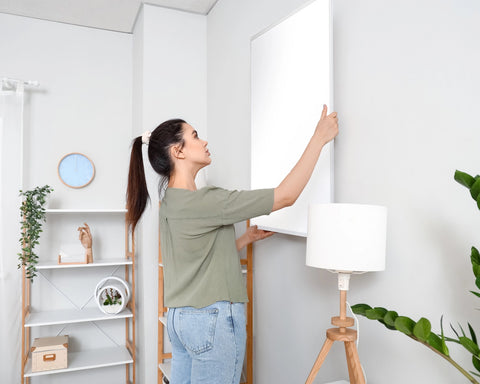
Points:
(137, 192)
(159, 142)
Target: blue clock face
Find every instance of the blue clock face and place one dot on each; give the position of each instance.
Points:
(76, 170)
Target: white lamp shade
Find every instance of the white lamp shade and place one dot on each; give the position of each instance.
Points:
(347, 237)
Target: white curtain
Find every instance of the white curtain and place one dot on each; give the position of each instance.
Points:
(11, 158)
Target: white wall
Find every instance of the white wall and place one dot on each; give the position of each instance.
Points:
(406, 81)
(83, 104)
(171, 82)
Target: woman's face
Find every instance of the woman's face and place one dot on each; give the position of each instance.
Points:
(195, 149)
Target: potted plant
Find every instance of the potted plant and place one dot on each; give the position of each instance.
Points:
(420, 330)
(112, 301)
(32, 211)
(112, 295)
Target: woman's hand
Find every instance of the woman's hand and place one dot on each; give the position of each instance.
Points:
(293, 184)
(327, 126)
(255, 234)
(251, 235)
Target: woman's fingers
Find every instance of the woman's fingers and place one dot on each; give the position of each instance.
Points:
(327, 127)
(258, 234)
(324, 112)
(267, 234)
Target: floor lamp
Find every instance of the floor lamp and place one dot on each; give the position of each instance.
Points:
(345, 239)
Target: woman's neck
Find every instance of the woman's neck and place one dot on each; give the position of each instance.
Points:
(182, 181)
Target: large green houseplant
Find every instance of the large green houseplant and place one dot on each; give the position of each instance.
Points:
(32, 211)
(420, 330)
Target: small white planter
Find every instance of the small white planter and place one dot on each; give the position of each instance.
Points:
(112, 309)
(118, 286)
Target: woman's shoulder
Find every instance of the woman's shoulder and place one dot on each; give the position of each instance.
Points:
(176, 198)
(182, 203)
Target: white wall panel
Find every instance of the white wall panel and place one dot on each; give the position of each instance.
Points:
(291, 80)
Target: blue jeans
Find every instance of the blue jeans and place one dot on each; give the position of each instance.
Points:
(208, 344)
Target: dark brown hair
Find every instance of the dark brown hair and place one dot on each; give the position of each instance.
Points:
(162, 138)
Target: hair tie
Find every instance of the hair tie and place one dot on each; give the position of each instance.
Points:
(146, 137)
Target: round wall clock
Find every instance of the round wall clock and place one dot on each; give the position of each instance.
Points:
(76, 170)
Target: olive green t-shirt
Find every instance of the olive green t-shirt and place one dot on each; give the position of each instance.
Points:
(197, 235)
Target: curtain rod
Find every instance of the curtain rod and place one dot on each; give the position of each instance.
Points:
(32, 83)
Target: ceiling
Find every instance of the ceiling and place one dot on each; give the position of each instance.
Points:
(114, 15)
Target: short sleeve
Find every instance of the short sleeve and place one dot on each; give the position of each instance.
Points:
(242, 205)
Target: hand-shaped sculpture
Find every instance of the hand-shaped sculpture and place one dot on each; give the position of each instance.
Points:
(86, 239)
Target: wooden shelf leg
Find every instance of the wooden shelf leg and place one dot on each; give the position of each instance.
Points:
(320, 359)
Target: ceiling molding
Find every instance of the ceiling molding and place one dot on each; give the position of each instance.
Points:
(111, 15)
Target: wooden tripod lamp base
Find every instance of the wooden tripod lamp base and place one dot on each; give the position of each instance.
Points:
(349, 337)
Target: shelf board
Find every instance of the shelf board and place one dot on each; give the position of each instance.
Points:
(53, 264)
(163, 320)
(71, 316)
(54, 210)
(77, 361)
(166, 369)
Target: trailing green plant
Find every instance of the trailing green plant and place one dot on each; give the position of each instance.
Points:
(32, 211)
(421, 330)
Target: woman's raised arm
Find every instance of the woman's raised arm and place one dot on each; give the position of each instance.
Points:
(290, 188)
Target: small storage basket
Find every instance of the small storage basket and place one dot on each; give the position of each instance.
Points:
(49, 353)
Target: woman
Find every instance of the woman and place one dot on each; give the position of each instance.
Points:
(203, 284)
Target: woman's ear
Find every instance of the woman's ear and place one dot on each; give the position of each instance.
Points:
(176, 152)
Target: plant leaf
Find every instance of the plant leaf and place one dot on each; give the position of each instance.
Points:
(452, 340)
(376, 313)
(388, 326)
(436, 342)
(476, 362)
(454, 330)
(474, 373)
(475, 256)
(464, 178)
(472, 334)
(469, 345)
(477, 282)
(360, 309)
(390, 317)
(444, 345)
(475, 293)
(422, 329)
(476, 269)
(475, 188)
(475, 259)
(461, 328)
(404, 324)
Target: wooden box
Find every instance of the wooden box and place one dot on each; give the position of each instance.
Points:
(49, 353)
